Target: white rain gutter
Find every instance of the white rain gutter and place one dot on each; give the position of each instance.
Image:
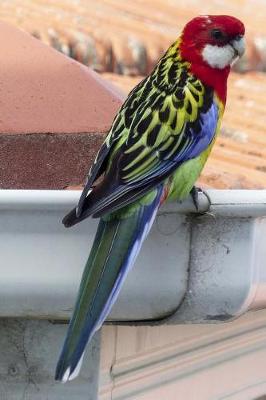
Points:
(194, 268)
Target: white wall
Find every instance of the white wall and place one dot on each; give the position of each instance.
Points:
(188, 362)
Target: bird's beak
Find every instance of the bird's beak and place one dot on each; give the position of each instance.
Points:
(239, 46)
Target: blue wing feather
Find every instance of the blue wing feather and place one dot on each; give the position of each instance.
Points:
(202, 139)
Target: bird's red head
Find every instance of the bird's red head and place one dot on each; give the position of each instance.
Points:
(210, 43)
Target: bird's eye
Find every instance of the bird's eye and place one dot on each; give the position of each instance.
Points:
(217, 34)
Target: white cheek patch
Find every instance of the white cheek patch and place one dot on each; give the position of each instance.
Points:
(218, 57)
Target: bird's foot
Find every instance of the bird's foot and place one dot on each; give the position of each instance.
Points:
(195, 191)
(195, 196)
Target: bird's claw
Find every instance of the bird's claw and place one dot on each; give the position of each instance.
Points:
(195, 198)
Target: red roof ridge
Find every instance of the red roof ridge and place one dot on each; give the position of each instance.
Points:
(43, 91)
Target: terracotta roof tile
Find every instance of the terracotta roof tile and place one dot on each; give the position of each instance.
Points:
(43, 91)
(116, 32)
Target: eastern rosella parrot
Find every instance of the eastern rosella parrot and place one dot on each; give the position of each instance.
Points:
(155, 150)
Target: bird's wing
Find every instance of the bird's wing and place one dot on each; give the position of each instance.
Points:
(168, 118)
(119, 129)
(158, 129)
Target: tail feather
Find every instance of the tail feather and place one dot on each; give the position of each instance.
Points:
(117, 243)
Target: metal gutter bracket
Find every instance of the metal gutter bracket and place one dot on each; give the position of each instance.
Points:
(227, 269)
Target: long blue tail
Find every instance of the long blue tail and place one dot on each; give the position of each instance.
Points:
(117, 243)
